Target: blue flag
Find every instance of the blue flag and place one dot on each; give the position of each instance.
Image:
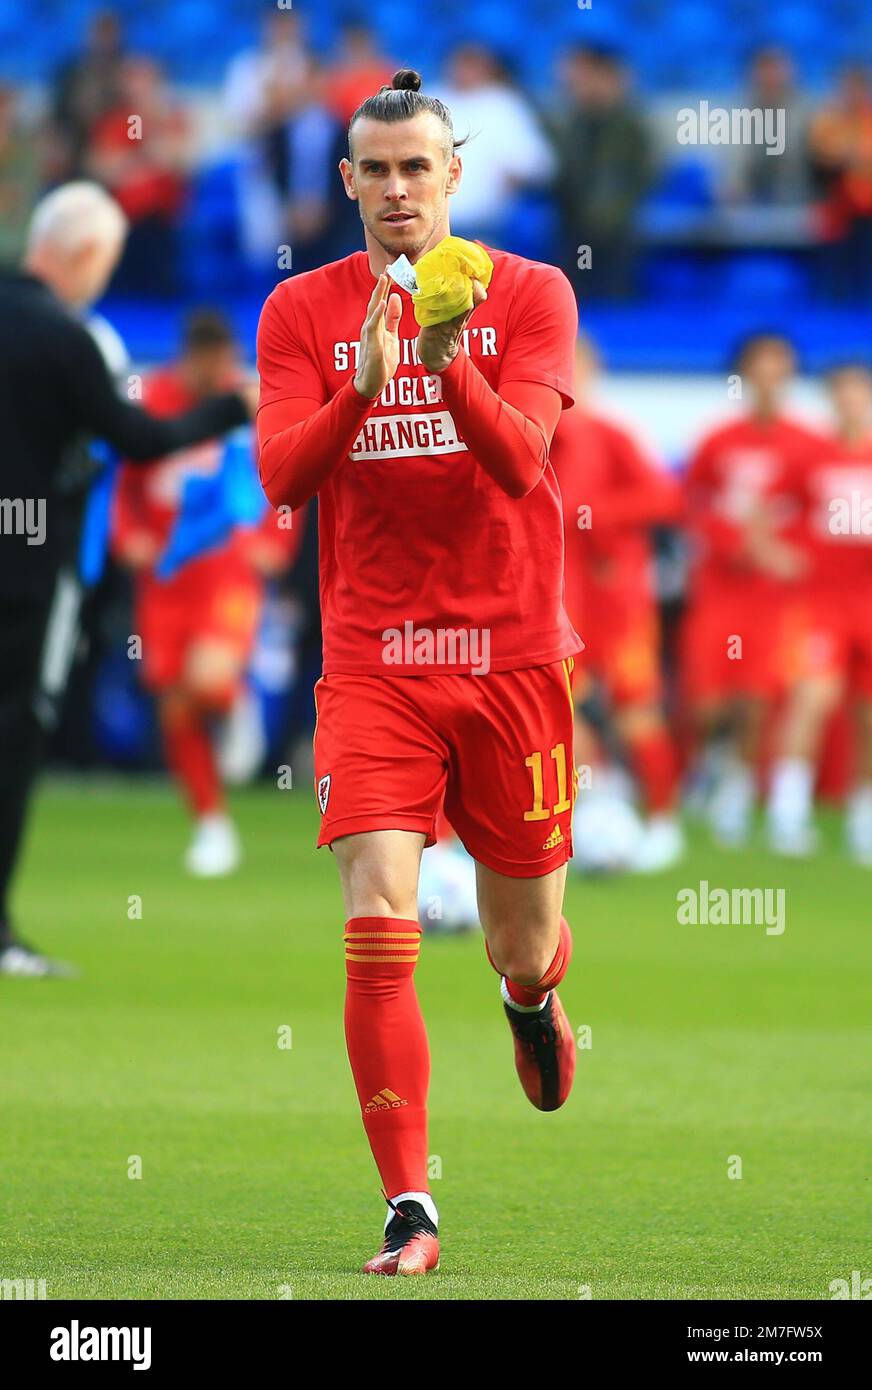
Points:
(212, 508)
(97, 519)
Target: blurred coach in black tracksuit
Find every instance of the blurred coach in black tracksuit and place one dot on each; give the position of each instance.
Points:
(56, 392)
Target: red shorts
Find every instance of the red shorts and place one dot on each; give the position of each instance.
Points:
(740, 642)
(837, 638)
(497, 749)
(622, 647)
(215, 598)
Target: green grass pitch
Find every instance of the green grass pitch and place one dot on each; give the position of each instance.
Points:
(707, 1042)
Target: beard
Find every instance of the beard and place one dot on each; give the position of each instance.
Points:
(397, 245)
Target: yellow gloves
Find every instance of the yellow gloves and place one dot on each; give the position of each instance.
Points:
(445, 277)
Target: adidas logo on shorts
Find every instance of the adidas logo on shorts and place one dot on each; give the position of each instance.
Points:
(554, 839)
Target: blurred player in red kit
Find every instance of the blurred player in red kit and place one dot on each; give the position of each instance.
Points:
(836, 650)
(196, 628)
(739, 632)
(612, 496)
(447, 651)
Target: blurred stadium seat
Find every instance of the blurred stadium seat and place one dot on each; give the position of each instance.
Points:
(664, 41)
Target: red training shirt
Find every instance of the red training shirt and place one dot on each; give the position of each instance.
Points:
(413, 530)
(737, 470)
(836, 528)
(612, 497)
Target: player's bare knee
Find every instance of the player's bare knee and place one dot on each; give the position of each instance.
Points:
(525, 970)
(212, 674)
(523, 962)
(379, 873)
(639, 720)
(214, 695)
(818, 699)
(376, 890)
(386, 901)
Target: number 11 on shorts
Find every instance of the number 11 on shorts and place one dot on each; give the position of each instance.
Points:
(539, 810)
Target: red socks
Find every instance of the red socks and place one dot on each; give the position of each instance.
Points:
(529, 997)
(387, 1041)
(387, 1046)
(656, 767)
(191, 758)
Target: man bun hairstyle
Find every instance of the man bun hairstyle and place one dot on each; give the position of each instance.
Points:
(401, 100)
(404, 80)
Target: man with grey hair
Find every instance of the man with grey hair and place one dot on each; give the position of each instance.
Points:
(56, 393)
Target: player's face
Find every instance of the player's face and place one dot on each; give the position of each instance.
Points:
(210, 370)
(851, 394)
(768, 370)
(401, 179)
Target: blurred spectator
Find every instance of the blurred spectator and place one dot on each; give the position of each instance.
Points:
(605, 168)
(139, 149)
(506, 150)
(260, 80)
(358, 71)
(261, 88)
(840, 145)
(307, 177)
(85, 90)
(19, 178)
(764, 179)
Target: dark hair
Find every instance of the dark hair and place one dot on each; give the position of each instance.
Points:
(753, 342)
(207, 328)
(401, 101)
(848, 364)
(601, 55)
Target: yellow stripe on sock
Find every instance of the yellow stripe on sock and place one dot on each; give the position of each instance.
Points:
(382, 945)
(382, 936)
(382, 960)
(373, 955)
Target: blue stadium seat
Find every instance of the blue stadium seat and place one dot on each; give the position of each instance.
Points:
(668, 45)
(804, 29)
(532, 227)
(209, 233)
(673, 277)
(687, 183)
(752, 279)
